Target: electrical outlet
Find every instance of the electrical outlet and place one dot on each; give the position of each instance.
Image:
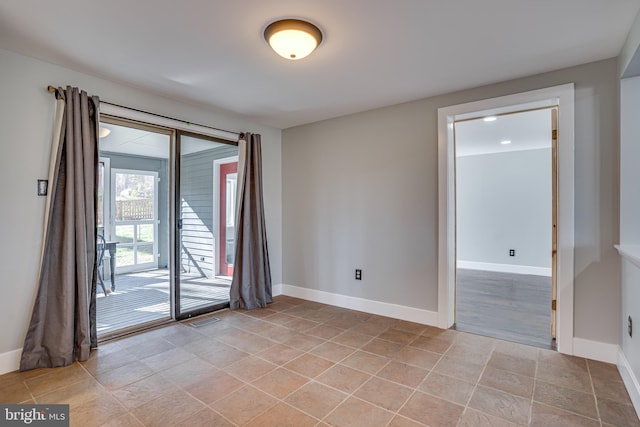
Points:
(358, 274)
(630, 326)
(512, 252)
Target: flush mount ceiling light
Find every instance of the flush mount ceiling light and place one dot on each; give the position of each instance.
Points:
(490, 119)
(505, 142)
(292, 38)
(103, 132)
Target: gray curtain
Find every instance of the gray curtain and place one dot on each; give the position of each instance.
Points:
(251, 284)
(63, 327)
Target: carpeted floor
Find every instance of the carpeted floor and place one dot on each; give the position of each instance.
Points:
(513, 307)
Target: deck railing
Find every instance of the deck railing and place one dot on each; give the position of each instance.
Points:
(134, 209)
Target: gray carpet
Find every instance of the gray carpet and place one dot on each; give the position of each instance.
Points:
(513, 307)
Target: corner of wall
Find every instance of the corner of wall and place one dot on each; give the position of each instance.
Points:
(630, 381)
(10, 361)
(276, 290)
(629, 58)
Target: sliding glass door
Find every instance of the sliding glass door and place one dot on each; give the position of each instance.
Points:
(134, 282)
(165, 223)
(205, 232)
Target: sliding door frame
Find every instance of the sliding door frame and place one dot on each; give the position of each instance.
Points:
(174, 209)
(177, 226)
(150, 127)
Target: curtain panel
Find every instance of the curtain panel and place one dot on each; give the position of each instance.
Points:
(63, 327)
(251, 283)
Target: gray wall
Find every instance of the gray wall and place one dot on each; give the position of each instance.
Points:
(362, 191)
(630, 214)
(197, 209)
(125, 161)
(630, 307)
(26, 118)
(629, 156)
(503, 201)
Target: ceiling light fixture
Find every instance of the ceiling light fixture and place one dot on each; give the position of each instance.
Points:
(103, 132)
(292, 38)
(490, 119)
(505, 142)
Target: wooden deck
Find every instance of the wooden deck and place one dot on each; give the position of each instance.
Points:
(145, 297)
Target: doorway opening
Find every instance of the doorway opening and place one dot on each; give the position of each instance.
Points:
(561, 97)
(505, 225)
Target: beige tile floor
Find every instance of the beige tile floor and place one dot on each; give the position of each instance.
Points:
(300, 363)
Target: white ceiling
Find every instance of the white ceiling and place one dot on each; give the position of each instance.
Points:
(375, 52)
(527, 131)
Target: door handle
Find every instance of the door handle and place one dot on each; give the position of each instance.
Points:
(180, 224)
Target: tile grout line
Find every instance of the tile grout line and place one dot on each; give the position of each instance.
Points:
(314, 379)
(341, 391)
(415, 390)
(310, 380)
(593, 391)
(475, 387)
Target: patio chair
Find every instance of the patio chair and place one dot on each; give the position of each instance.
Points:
(100, 247)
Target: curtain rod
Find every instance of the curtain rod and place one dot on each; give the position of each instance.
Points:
(52, 89)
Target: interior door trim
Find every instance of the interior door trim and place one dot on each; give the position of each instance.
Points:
(564, 97)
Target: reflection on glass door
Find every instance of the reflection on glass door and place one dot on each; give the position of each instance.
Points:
(198, 288)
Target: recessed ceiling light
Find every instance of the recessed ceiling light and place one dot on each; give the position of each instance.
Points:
(505, 142)
(490, 119)
(292, 38)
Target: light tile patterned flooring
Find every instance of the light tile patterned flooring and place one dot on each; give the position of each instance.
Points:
(300, 363)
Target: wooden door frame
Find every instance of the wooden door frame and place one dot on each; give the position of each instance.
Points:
(561, 96)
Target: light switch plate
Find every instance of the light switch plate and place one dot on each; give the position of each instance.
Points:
(43, 187)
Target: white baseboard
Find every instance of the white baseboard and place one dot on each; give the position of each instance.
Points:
(504, 268)
(630, 381)
(596, 350)
(10, 361)
(396, 311)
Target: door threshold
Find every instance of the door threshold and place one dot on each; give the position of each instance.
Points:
(134, 330)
